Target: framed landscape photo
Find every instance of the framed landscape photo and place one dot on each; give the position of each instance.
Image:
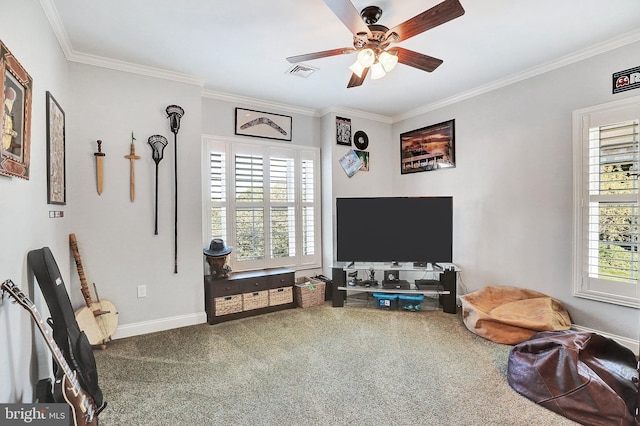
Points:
(56, 171)
(260, 124)
(16, 116)
(428, 148)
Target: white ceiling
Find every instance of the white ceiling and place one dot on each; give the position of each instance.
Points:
(239, 47)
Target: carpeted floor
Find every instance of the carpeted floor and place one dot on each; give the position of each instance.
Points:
(316, 366)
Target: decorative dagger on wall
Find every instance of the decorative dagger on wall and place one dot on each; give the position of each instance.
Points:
(132, 157)
(99, 167)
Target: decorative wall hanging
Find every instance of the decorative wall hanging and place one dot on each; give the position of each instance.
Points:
(343, 131)
(626, 80)
(132, 157)
(361, 140)
(16, 116)
(364, 157)
(56, 170)
(351, 163)
(99, 167)
(175, 113)
(428, 148)
(157, 142)
(263, 124)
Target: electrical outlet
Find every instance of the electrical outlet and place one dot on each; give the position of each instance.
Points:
(142, 291)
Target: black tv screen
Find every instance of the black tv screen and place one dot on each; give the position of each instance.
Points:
(394, 229)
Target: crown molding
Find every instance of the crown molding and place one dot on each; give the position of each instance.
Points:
(614, 43)
(56, 24)
(71, 55)
(129, 67)
(53, 16)
(229, 97)
(356, 113)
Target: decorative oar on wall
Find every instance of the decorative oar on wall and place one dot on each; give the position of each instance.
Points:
(157, 142)
(175, 113)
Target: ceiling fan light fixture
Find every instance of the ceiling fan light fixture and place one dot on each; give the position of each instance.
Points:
(377, 71)
(366, 57)
(388, 61)
(357, 68)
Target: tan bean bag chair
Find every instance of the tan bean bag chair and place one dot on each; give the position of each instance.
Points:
(511, 315)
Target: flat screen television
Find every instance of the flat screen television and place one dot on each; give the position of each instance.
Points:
(395, 229)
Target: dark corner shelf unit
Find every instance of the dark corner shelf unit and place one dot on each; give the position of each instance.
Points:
(235, 297)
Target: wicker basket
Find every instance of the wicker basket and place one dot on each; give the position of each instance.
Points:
(280, 296)
(228, 304)
(255, 300)
(309, 292)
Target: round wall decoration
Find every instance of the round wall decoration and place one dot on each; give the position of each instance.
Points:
(361, 140)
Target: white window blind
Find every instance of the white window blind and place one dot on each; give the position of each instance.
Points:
(282, 207)
(265, 203)
(218, 195)
(249, 207)
(308, 208)
(607, 200)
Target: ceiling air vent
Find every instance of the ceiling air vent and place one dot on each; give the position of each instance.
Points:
(301, 70)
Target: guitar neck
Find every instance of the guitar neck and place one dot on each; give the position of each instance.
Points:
(84, 288)
(83, 406)
(53, 346)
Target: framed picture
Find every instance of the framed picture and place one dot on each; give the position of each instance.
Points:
(428, 148)
(263, 124)
(351, 163)
(16, 116)
(364, 157)
(343, 131)
(56, 171)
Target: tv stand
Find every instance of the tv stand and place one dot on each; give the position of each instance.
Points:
(444, 280)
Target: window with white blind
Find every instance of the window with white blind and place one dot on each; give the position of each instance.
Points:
(606, 200)
(264, 201)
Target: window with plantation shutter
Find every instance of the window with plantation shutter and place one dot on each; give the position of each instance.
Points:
(249, 207)
(265, 203)
(217, 219)
(308, 208)
(607, 200)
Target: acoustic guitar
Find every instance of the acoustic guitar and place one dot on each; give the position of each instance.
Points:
(99, 319)
(66, 387)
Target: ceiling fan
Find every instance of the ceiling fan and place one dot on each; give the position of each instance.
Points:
(372, 41)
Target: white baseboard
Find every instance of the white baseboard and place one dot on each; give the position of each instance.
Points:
(145, 327)
(634, 345)
(169, 323)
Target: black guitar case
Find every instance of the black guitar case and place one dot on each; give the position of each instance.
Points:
(67, 334)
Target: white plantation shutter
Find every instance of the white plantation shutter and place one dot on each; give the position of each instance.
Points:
(607, 200)
(308, 207)
(282, 207)
(218, 195)
(265, 203)
(249, 207)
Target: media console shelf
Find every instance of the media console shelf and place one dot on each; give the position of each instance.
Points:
(442, 273)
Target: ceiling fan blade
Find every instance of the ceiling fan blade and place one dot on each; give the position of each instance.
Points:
(355, 81)
(437, 15)
(323, 54)
(349, 16)
(417, 60)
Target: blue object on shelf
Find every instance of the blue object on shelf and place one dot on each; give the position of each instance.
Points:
(410, 302)
(386, 300)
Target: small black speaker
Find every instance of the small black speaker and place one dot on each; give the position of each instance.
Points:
(339, 279)
(448, 281)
